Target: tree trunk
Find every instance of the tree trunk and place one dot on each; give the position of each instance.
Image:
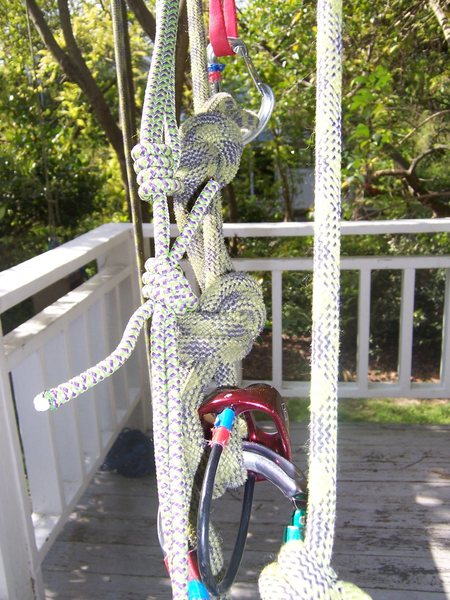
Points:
(144, 16)
(286, 189)
(287, 195)
(230, 198)
(407, 171)
(74, 66)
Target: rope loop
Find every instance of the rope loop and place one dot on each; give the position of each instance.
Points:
(299, 575)
(166, 284)
(211, 143)
(155, 167)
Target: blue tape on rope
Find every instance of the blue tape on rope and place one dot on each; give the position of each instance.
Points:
(216, 67)
(225, 419)
(197, 591)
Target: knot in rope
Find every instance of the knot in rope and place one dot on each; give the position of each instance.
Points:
(229, 317)
(298, 575)
(155, 166)
(166, 284)
(211, 143)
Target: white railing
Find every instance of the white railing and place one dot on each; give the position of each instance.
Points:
(62, 450)
(402, 386)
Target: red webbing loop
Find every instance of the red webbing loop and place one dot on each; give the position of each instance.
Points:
(222, 25)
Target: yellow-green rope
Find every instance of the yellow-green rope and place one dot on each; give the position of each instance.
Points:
(303, 569)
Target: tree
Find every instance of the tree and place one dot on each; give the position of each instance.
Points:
(396, 111)
(395, 105)
(52, 150)
(72, 62)
(70, 58)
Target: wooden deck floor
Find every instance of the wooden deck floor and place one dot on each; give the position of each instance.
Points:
(392, 537)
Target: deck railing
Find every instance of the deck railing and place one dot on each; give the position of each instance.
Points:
(400, 386)
(49, 458)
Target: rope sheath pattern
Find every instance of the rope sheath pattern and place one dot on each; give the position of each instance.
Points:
(302, 570)
(159, 127)
(55, 397)
(195, 342)
(325, 310)
(206, 152)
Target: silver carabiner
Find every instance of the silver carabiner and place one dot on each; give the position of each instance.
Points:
(268, 99)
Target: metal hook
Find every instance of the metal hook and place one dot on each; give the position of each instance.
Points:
(268, 99)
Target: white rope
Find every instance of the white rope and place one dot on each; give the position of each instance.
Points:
(302, 570)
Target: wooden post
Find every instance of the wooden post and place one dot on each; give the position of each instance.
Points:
(277, 329)
(18, 578)
(362, 358)
(406, 331)
(445, 352)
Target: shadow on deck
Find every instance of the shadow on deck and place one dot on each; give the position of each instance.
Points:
(392, 537)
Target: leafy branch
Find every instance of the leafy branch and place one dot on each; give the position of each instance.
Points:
(407, 170)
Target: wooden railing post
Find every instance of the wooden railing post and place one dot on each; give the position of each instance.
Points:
(18, 577)
(406, 330)
(363, 340)
(277, 329)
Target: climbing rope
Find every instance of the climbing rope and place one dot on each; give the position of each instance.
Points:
(196, 342)
(302, 570)
(193, 342)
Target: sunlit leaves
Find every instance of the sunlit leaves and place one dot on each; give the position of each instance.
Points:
(48, 130)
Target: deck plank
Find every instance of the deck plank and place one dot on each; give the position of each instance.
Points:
(392, 534)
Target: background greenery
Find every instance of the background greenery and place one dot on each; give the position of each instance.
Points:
(61, 166)
(377, 410)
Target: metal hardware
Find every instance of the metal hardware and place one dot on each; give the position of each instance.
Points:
(260, 398)
(268, 99)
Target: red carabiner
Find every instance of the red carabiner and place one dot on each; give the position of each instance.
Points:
(222, 25)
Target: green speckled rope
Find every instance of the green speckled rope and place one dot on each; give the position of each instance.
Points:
(210, 338)
(207, 149)
(302, 570)
(157, 158)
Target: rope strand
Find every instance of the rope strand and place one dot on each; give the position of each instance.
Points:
(303, 569)
(192, 342)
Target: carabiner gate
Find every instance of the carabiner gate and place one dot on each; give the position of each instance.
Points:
(268, 99)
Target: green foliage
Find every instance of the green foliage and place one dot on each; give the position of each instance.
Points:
(58, 175)
(374, 410)
(297, 304)
(386, 94)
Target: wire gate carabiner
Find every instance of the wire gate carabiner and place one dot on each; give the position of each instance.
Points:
(268, 99)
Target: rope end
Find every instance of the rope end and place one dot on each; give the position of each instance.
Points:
(41, 402)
